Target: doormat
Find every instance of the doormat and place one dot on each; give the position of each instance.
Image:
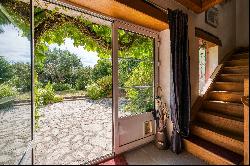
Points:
(118, 160)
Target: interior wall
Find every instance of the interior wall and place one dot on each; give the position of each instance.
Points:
(226, 31)
(242, 23)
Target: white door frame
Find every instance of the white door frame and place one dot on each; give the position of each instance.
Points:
(118, 24)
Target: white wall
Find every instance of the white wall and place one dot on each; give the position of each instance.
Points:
(164, 72)
(242, 23)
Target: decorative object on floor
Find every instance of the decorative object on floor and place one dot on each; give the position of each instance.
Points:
(179, 78)
(160, 114)
(211, 17)
(118, 160)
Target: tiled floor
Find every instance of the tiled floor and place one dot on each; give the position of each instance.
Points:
(150, 155)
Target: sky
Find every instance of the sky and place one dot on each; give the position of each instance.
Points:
(16, 48)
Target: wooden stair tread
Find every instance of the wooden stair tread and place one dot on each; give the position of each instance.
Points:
(226, 86)
(217, 150)
(235, 67)
(236, 62)
(235, 70)
(220, 102)
(219, 137)
(226, 74)
(240, 55)
(218, 131)
(229, 77)
(223, 91)
(210, 112)
(227, 82)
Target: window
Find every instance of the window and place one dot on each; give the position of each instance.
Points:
(208, 61)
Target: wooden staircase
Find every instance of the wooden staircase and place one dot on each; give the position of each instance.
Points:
(217, 132)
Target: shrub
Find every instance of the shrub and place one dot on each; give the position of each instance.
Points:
(83, 78)
(7, 91)
(105, 84)
(102, 88)
(61, 86)
(94, 91)
(57, 99)
(48, 94)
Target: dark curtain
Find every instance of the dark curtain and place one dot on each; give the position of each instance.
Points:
(180, 83)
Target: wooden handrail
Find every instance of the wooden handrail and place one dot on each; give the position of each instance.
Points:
(245, 100)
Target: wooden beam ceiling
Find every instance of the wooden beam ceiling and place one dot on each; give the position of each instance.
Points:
(137, 12)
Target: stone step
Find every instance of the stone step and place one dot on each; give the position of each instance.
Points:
(232, 77)
(223, 122)
(239, 62)
(227, 108)
(225, 96)
(219, 137)
(236, 70)
(229, 86)
(210, 152)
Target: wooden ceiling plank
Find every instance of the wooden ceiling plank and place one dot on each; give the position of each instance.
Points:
(206, 4)
(118, 10)
(190, 5)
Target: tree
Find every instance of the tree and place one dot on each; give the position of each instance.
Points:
(101, 69)
(60, 66)
(6, 71)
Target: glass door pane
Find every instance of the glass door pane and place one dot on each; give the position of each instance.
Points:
(135, 78)
(15, 82)
(135, 73)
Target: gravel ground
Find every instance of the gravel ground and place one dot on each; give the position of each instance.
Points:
(74, 132)
(70, 132)
(15, 133)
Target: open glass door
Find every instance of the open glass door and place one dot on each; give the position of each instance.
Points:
(73, 85)
(135, 77)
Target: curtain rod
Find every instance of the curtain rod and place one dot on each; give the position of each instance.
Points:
(157, 6)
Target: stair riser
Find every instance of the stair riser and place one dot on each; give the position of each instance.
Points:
(227, 109)
(236, 87)
(204, 154)
(237, 63)
(233, 126)
(235, 71)
(226, 97)
(228, 78)
(220, 140)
